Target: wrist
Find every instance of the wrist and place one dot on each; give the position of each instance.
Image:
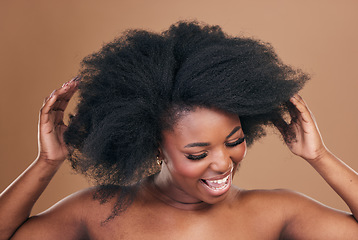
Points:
(45, 161)
(320, 155)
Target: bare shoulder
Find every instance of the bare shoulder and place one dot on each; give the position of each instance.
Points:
(71, 213)
(281, 197)
(266, 204)
(307, 218)
(292, 204)
(277, 198)
(301, 217)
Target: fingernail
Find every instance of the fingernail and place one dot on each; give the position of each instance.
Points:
(68, 82)
(78, 78)
(73, 79)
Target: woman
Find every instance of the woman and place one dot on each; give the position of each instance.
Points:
(162, 125)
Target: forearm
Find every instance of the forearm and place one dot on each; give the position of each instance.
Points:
(17, 200)
(342, 178)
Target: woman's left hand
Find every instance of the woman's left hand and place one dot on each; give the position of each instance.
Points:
(301, 134)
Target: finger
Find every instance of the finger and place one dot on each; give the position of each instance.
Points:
(299, 98)
(294, 113)
(302, 108)
(53, 104)
(47, 98)
(65, 93)
(61, 105)
(45, 110)
(301, 101)
(63, 99)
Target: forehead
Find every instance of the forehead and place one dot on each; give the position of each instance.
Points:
(200, 123)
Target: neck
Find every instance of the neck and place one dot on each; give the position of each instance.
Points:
(168, 193)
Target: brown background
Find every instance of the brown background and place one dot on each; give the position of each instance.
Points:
(43, 42)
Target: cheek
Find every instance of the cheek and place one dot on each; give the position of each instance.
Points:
(187, 168)
(180, 166)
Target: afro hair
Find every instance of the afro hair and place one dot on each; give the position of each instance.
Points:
(133, 87)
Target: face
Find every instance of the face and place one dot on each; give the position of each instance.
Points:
(201, 154)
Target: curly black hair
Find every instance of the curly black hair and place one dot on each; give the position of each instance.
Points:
(132, 89)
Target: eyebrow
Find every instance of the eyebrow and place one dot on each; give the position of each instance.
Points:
(233, 131)
(197, 144)
(205, 144)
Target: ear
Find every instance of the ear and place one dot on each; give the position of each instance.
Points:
(160, 155)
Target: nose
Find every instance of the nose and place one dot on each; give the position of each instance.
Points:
(221, 161)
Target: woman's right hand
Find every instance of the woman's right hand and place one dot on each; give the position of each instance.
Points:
(51, 126)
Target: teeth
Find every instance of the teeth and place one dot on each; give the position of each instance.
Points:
(218, 188)
(220, 181)
(217, 184)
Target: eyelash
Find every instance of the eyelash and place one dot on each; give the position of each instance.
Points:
(196, 157)
(203, 155)
(237, 142)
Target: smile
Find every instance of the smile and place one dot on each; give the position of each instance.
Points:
(217, 184)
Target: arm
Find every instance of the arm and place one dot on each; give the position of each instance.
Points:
(307, 143)
(17, 200)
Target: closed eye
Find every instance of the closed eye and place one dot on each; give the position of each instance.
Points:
(237, 142)
(196, 157)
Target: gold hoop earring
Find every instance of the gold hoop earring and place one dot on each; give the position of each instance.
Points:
(159, 162)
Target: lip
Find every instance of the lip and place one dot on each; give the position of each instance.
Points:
(219, 177)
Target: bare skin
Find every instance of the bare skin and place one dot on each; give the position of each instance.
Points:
(165, 206)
